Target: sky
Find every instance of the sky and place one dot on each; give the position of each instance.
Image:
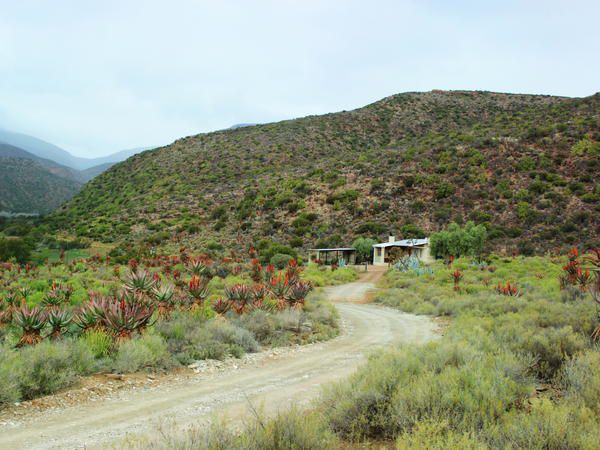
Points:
(95, 77)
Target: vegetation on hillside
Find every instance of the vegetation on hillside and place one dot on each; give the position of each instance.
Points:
(525, 166)
(26, 186)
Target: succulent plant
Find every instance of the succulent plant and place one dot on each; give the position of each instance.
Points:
(140, 281)
(508, 290)
(31, 321)
(198, 289)
(164, 297)
(122, 319)
(221, 306)
(240, 296)
(58, 319)
(297, 293)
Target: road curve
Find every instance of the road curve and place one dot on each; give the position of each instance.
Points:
(296, 377)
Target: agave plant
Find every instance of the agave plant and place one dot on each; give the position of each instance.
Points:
(198, 289)
(297, 293)
(31, 321)
(164, 297)
(240, 296)
(122, 319)
(58, 319)
(140, 281)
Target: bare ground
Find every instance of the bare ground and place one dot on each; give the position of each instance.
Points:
(271, 380)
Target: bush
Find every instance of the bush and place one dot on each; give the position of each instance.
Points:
(454, 383)
(280, 260)
(580, 380)
(432, 435)
(11, 368)
(547, 426)
(147, 352)
(50, 366)
(98, 342)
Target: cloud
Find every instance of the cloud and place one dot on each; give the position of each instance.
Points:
(95, 77)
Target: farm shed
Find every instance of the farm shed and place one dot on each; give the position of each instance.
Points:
(388, 252)
(333, 255)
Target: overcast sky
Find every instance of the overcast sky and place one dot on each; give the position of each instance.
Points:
(95, 77)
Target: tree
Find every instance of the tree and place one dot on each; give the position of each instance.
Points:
(364, 247)
(456, 241)
(17, 248)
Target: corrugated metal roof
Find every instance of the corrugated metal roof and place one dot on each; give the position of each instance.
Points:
(404, 243)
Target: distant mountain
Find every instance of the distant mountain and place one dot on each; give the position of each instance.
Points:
(30, 185)
(52, 152)
(10, 151)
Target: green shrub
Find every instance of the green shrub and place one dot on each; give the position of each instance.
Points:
(147, 352)
(50, 366)
(98, 342)
(11, 368)
(280, 260)
(432, 435)
(580, 379)
(548, 426)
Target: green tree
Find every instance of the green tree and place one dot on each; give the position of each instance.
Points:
(17, 248)
(459, 241)
(364, 247)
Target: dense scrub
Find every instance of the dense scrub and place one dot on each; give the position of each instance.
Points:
(510, 372)
(525, 166)
(64, 320)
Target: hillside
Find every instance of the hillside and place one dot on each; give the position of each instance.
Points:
(524, 165)
(28, 186)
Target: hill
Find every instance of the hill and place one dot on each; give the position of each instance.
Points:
(46, 150)
(29, 186)
(524, 165)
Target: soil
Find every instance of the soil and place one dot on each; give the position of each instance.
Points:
(105, 409)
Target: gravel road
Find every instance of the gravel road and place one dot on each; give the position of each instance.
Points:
(271, 381)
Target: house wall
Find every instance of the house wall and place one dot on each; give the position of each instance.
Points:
(379, 256)
(380, 253)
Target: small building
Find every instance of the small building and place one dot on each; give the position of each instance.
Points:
(333, 255)
(388, 252)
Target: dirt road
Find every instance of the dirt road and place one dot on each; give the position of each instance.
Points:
(273, 383)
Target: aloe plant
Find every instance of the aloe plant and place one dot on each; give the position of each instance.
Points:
(140, 281)
(221, 306)
(123, 319)
(198, 290)
(240, 296)
(31, 321)
(297, 293)
(58, 319)
(164, 297)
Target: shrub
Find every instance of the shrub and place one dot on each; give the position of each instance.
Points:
(98, 342)
(11, 368)
(548, 426)
(581, 381)
(280, 260)
(432, 435)
(147, 352)
(50, 366)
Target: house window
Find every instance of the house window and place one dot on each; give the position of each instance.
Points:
(378, 251)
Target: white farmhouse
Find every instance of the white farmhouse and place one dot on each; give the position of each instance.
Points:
(388, 252)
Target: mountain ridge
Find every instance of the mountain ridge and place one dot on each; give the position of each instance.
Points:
(409, 161)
